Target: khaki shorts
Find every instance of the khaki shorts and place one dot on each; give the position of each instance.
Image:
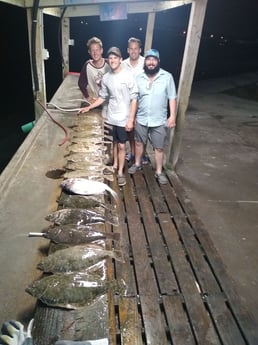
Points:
(156, 135)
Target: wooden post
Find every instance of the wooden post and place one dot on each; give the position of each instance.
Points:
(39, 94)
(186, 77)
(149, 31)
(65, 44)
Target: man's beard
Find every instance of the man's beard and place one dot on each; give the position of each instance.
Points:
(151, 71)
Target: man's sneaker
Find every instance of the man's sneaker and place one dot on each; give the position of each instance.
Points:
(161, 178)
(121, 180)
(129, 157)
(134, 168)
(145, 160)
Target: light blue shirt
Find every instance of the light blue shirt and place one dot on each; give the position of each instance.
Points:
(153, 98)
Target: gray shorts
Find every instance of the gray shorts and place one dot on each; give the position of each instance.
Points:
(157, 135)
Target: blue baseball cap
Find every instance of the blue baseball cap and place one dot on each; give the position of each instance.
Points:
(153, 53)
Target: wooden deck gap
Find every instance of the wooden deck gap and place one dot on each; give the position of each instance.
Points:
(236, 319)
(206, 258)
(218, 329)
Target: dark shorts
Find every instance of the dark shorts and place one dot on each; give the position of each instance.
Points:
(157, 135)
(131, 135)
(120, 135)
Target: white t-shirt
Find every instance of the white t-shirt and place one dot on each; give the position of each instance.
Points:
(118, 89)
(135, 70)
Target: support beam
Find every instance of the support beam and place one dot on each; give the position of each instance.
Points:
(52, 11)
(65, 45)
(139, 7)
(186, 77)
(149, 31)
(39, 94)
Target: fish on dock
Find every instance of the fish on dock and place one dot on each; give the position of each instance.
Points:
(83, 201)
(84, 186)
(82, 174)
(80, 216)
(92, 135)
(72, 291)
(88, 166)
(87, 148)
(73, 234)
(77, 258)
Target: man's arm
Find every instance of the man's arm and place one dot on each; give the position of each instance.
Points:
(83, 81)
(171, 122)
(97, 103)
(133, 108)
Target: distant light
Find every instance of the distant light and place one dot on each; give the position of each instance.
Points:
(81, 21)
(140, 29)
(211, 36)
(184, 32)
(222, 37)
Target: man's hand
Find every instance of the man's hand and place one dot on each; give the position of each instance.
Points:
(84, 110)
(12, 333)
(171, 122)
(129, 126)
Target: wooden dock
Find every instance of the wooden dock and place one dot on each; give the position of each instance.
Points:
(179, 291)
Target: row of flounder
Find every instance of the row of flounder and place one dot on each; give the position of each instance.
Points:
(77, 275)
(88, 149)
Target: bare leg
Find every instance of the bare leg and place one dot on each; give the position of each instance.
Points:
(132, 146)
(115, 155)
(139, 147)
(121, 158)
(159, 156)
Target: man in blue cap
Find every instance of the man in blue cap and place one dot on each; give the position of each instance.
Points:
(157, 92)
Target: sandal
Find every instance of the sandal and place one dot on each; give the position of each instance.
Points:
(161, 178)
(121, 180)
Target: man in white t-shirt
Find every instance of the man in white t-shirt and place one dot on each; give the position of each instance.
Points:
(134, 63)
(119, 89)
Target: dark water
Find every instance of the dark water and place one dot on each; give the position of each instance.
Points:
(218, 56)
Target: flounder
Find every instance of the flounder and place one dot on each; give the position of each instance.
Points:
(73, 290)
(79, 216)
(83, 201)
(77, 258)
(72, 234)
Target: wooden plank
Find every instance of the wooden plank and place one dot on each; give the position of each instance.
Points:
(172, 201)
(154, 190)
(200, 319)
(246, 321)
(177, 319)
(153, 321)
(225, 323)
(130, 321)
(206, 279)
(181, 194)
(166, 280)
(124, 270)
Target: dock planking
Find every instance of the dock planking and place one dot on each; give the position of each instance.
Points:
(184, 294)
(177, 289)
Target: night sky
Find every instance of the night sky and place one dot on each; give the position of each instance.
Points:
(229, 45)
